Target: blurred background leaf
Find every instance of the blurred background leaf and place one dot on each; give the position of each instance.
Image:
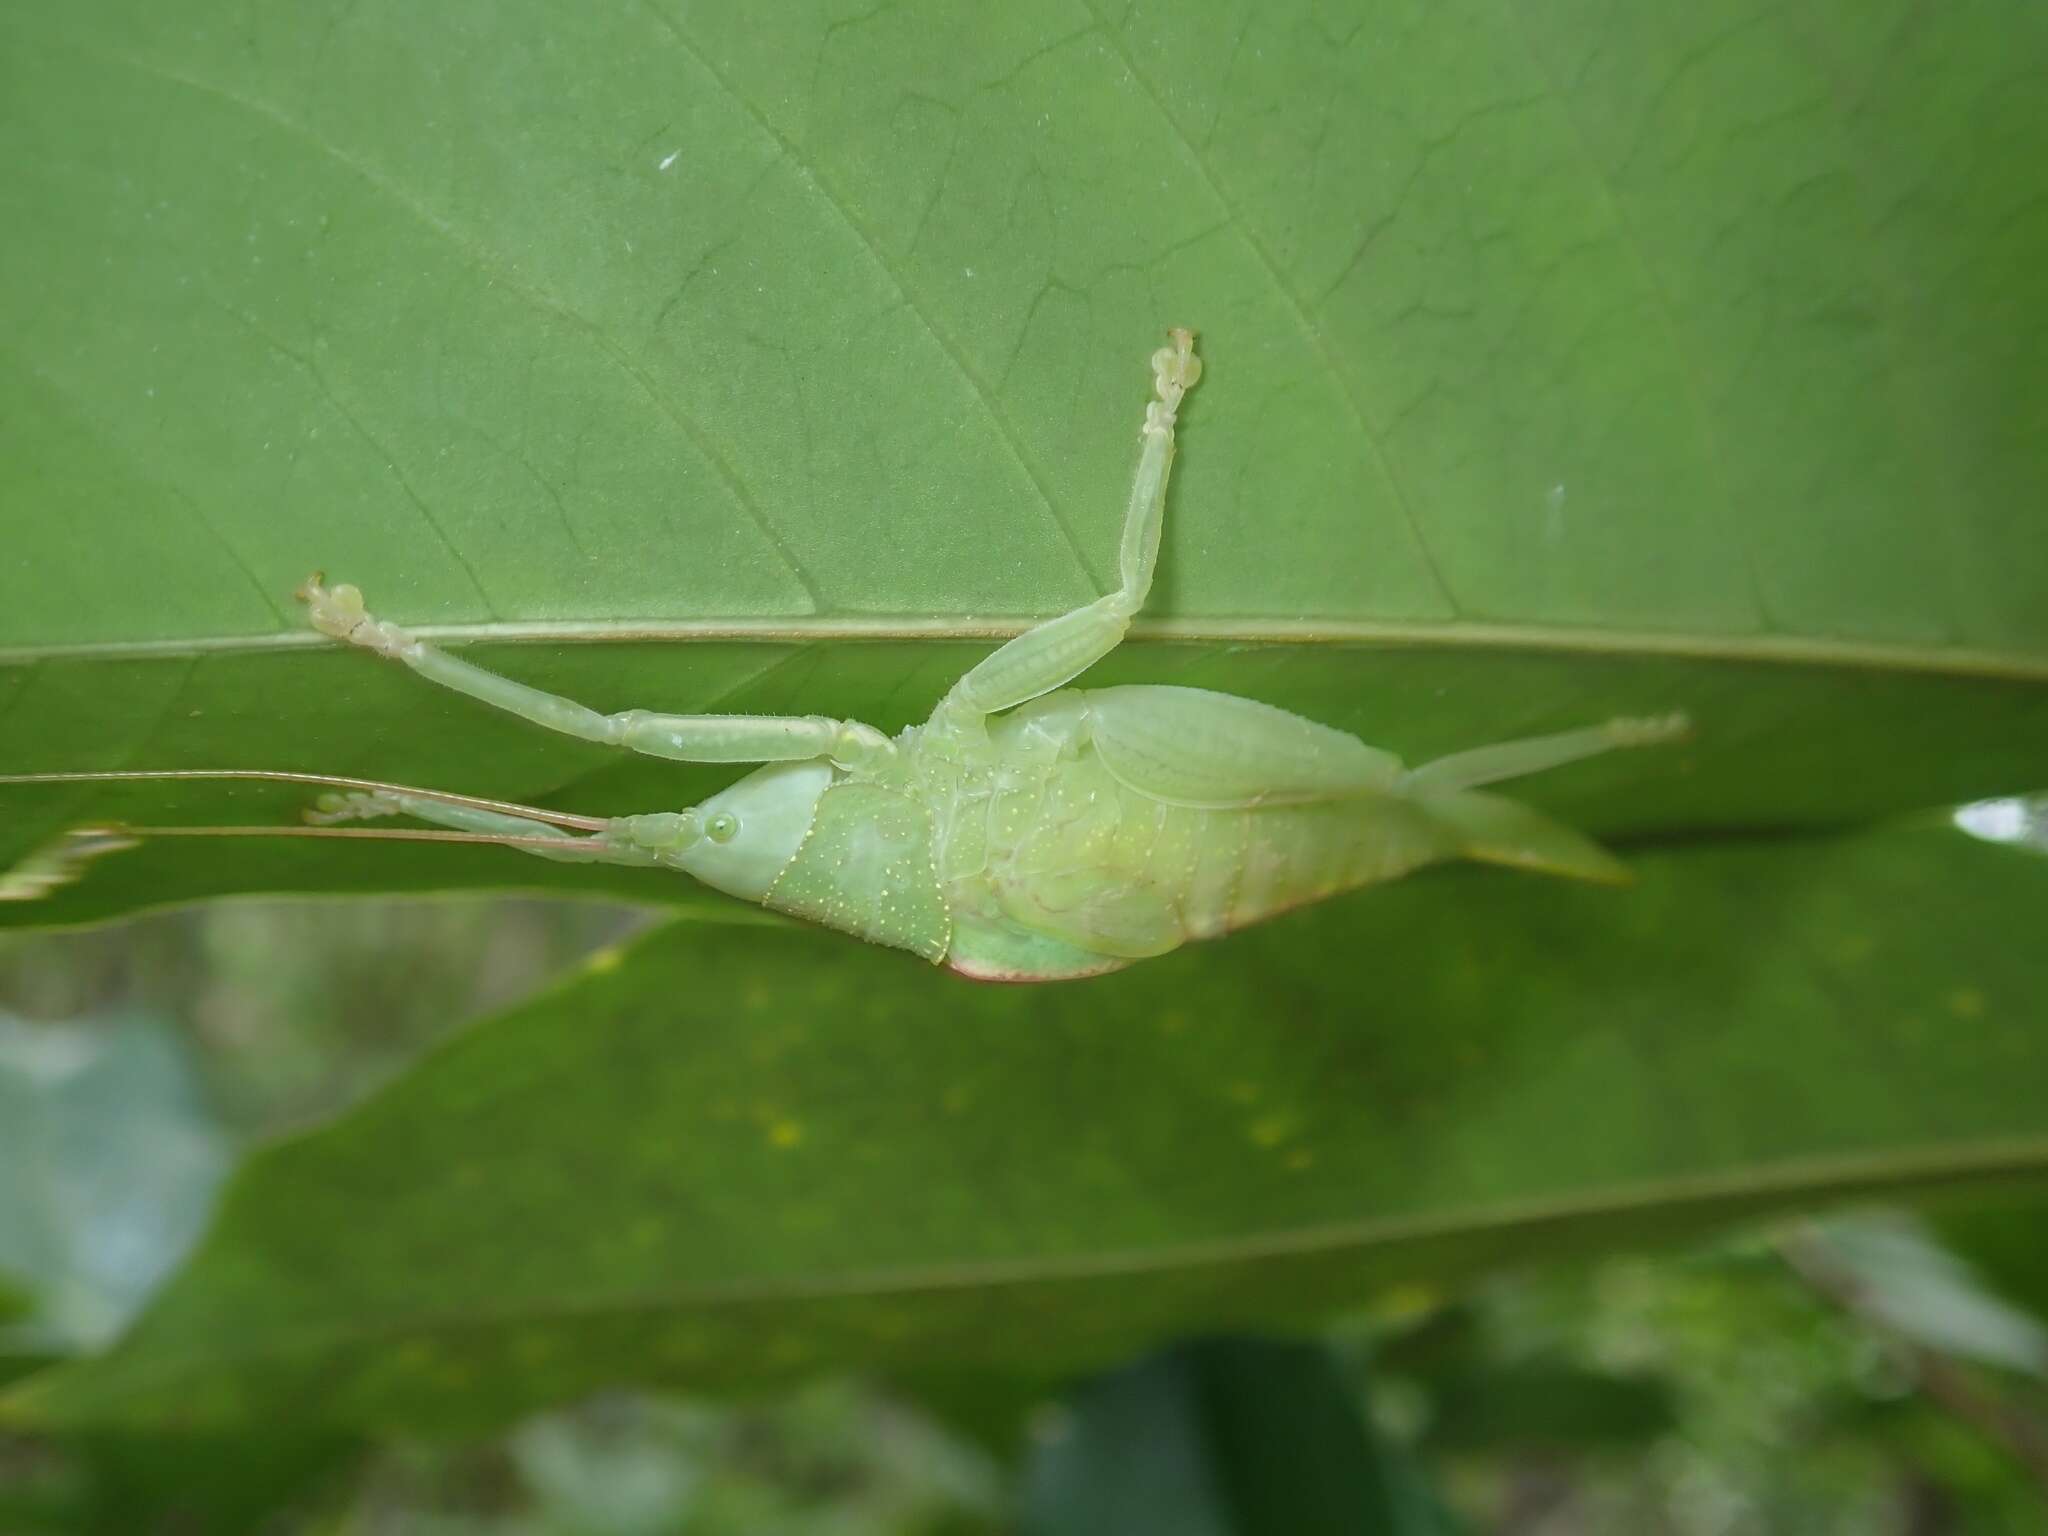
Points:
(1674, 1394)
(110, 1158)
(1894, 1271)
(108, 1167)
(1224, 1437)
(709, 1163)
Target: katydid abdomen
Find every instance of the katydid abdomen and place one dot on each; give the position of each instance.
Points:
(1060, 831)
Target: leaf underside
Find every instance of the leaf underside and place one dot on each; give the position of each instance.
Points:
(1560, 365)
(1585, 360)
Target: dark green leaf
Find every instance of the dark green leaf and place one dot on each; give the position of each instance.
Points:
(219, 1485)
(1547, 1406)
(15, 1300)
(1227, 1437)
(1478, 1396)
(733, 1156)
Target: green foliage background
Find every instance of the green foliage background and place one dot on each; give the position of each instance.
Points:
(1562, 363)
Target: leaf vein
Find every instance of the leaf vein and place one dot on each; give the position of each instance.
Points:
(488, 265)
(860, 231)
(1804, 1180)
(1631, 241)
(1311, 332)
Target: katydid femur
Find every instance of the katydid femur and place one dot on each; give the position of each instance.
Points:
(1028, 831)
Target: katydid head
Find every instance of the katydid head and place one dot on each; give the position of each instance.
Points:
(744, 836)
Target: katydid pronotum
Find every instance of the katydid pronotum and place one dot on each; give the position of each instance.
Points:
(1028, 831)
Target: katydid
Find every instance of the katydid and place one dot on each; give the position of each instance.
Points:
(1027, 831)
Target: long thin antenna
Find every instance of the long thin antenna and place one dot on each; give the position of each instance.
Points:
(120, 829)
(327, 780)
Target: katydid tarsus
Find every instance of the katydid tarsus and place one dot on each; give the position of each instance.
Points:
(1027, 831)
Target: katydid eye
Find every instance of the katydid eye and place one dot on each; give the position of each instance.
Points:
(722, 827)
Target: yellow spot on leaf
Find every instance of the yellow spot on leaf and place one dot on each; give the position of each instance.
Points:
(1966, 1003)
(1272, 1130)
(1403, 1301)
(785, 1133)
(604, 961)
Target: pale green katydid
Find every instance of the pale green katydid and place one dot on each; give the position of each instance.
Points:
(1027, 831)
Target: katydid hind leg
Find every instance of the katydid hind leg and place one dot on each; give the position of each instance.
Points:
(1532, 754)
(1055, 652)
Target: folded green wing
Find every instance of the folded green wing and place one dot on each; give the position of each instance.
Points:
(1214, 751)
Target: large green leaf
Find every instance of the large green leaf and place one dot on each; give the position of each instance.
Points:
(733, 1155)
(1224, 1437)
(1561, 361)
(1775, 746)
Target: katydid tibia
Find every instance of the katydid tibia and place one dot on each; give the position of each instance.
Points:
(1028, 831)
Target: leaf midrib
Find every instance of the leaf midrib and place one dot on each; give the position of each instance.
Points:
(1449, 635)
(1796, 1181)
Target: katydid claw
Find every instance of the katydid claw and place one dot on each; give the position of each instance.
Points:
(338, 612)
